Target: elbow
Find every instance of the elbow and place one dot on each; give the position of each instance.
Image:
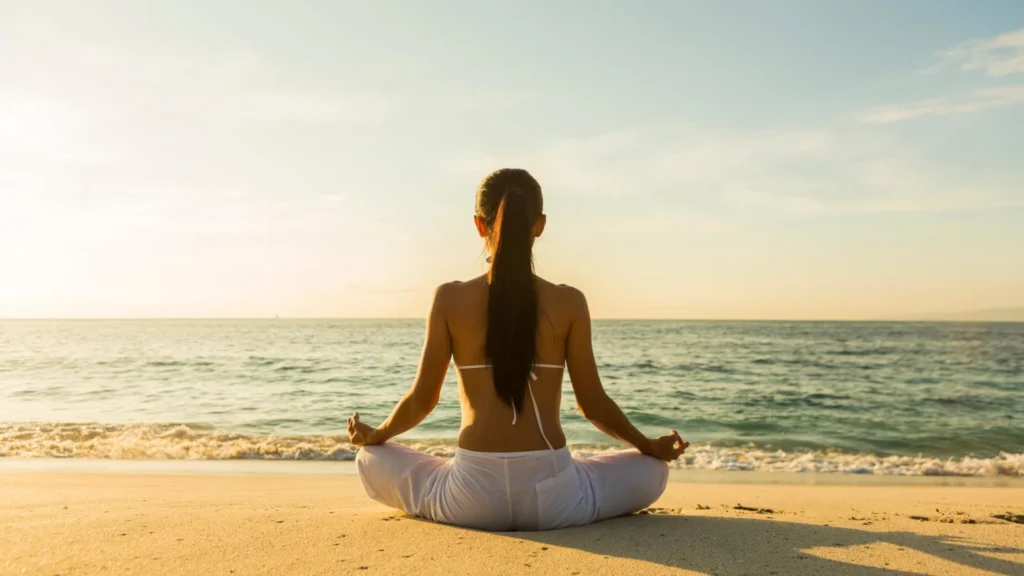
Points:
(594, 411)
(423, 404)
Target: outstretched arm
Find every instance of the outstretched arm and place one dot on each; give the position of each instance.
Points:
(593, 401)
(422, 397)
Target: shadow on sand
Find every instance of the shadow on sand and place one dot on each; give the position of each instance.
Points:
(724, 546)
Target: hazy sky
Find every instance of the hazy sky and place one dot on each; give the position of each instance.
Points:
(798, 159)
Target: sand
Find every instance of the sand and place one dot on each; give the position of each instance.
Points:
(85, 523)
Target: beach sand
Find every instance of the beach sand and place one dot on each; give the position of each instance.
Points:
(84, 523)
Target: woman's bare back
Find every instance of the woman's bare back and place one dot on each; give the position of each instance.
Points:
(486, 420)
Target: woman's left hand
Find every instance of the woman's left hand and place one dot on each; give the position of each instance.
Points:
(360, 433)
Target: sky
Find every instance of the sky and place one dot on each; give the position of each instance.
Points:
(732, 159)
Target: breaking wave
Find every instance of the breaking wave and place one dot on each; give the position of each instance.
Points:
(196, 442)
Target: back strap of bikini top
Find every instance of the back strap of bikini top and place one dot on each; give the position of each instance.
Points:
(536, 412)
(479, 366)
(533, 399)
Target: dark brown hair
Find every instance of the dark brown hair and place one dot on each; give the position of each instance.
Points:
(509, 201)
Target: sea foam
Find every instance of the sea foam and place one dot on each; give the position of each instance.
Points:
(192, 442)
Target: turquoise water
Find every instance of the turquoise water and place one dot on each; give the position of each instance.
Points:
(880, 398)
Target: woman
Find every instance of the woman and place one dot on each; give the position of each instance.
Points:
(511, 333)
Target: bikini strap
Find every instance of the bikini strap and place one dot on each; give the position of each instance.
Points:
(478, 366)
(533, 399)
(536, 412)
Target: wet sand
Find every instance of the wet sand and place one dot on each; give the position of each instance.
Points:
(58, 522)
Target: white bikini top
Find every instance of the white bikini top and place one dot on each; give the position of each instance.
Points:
(536, 411)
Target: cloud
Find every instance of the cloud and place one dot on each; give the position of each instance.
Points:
(652, 160)
(216, 87)
(980, 99)
(87, 127)
(1000, 55)
(725, 177)
(251, 107)
(39, 126)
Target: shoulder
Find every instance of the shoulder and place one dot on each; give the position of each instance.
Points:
(457, 291)
(568, 297)
(446, 292)
(445, 289)
(574, 300)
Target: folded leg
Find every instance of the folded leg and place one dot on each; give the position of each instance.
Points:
(400, 477)
(453, 491)
(623, 482)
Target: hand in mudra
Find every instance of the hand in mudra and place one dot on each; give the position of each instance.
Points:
(667, 448)
(361, 433)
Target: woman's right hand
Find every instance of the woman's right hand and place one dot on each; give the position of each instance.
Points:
(666, 448)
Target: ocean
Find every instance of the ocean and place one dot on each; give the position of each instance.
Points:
(879, 398)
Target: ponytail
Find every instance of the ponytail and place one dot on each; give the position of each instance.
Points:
(511, 345)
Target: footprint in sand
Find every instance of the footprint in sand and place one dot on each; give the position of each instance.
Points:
(750, 509)
(1010, 517)
(661, 511)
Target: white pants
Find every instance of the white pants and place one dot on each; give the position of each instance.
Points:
(539, 490)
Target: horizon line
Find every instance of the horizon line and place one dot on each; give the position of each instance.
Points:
(918, 319)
